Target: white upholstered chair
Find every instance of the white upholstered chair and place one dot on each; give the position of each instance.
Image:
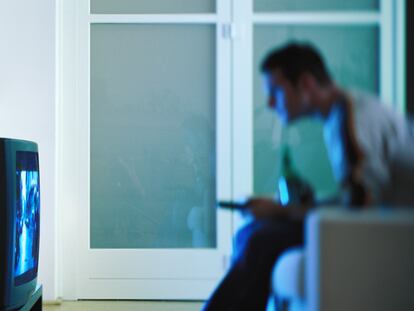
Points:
(352, 260)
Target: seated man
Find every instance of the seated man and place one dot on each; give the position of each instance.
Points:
(371, 150)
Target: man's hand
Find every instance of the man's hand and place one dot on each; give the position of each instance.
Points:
(264, 208)
(261, 208)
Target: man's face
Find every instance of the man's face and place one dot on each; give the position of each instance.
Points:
(283, 97)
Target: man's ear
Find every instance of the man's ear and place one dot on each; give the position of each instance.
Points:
(307, 82)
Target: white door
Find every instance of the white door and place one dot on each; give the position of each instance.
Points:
(154, 149)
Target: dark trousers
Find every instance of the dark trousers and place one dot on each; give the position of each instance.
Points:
(246, 286)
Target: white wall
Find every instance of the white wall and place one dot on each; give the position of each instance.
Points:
(27, 104)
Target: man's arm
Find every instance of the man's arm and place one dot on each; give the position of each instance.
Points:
(267, 208)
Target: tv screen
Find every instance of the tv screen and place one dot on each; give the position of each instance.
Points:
(19, 221)
(27, 217)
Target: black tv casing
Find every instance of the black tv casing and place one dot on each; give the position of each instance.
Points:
(11, 296)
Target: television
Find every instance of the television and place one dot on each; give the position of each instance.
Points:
(19, 221)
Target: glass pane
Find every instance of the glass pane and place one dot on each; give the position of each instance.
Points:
(153, 136)
(315, 5)
(152, 6)
(352, 55)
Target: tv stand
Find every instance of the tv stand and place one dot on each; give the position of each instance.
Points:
(35, 301)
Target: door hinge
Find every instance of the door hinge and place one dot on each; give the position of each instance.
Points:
(229, 31)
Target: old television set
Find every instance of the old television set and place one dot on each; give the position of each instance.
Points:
(19, 221)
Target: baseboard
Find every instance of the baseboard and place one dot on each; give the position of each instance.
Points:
(56, 302)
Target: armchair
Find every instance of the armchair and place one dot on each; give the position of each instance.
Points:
(357, 260)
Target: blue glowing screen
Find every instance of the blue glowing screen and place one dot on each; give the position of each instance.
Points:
(283, 191)
(27, 217)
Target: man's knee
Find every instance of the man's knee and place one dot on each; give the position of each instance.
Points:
(264, 240)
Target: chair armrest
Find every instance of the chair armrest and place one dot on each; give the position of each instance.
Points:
(359, 260)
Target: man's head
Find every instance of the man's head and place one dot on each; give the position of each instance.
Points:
(294, 77)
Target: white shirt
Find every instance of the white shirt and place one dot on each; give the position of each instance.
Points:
(386, 140)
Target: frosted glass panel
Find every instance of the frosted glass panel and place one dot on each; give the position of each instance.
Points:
(151, 6)
(315, 5)
(351, 53)
(153, 136)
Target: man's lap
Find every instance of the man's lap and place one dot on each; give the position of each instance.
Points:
(258, 244)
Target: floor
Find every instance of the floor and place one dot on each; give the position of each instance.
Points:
(124, 306)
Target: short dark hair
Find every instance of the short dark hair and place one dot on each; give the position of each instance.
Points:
(295, 59)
